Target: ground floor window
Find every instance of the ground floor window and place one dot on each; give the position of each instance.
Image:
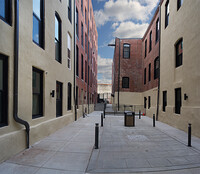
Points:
(59, 96)
(69, 105)
(149, 102)
(178, 102)
(145, 102)
(37, 89)
(3, 91)
(164, 100)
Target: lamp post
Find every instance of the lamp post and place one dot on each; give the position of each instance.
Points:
(118, 70)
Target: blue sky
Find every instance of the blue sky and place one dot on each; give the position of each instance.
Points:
(119, 18)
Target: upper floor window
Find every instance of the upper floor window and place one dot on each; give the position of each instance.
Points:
(82, 6)
(77, 22)
(69, 50)
(85, 16)
(157, 30)
(126, 51)
(69, 10)
(57, 38)
(145, 75)
(150, 41)
(167, 13)
(145, 53)
(38, 22)
(81, 33)
(77, 60)
(179, 53)
(156, 68)
(82, 66)
(179, 4)
(149, 72)
(85, 43)
(6, 10)
(125, 82)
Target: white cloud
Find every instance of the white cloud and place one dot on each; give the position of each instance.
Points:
(130, 30)
(104, 70)
(114, 25)
(123, 10)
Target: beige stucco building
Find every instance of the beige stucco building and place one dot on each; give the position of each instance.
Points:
(179, 65)
(37, 74)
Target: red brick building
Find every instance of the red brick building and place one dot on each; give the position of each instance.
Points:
(137, 69)
(86, 56)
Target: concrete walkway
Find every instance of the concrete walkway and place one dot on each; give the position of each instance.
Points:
(140, 149)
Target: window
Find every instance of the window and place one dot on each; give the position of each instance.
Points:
(57, 38)
(125, 82)
(167, 13)
(145, 75)
(178, 102)
(179, 53)
(150, 41)
(59, 98)
(3, 91)
(164, 100)
(149, 72)
(145, 102)
(77, 23)
(85, 43)
(37, 89)
(156, 68)
(85, 16)
(69, 50)
(6, 11)
(126, 51)
(69, 10)
(86, 71)
(38, 24)
(149, 102)
(81, 33)
(157, 30)
(81, 66)
(69, 104)
(179, 4)
(77, 60)
(77, 96)
(82, 6)
(145, 53)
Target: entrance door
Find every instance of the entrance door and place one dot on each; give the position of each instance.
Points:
(58, 99)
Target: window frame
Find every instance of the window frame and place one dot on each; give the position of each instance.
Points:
(41, 95)
(8, 10)
(125, 51)
(123, 83)
(179, 57)
(167, 14)
(4, 91)
(41, 26)
(60, 38)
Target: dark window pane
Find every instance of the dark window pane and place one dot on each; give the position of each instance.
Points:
(126, 51)
(149, 102)
(1, 74)
(125, 82)
(164, 100)
(2, 8)
(58, 99)
(179, 53)
(57, 50)
(69, 96)
(56, 28)
(178, 102)
(36, 29)
(36, 8)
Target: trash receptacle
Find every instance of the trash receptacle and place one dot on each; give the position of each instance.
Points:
(129, 119)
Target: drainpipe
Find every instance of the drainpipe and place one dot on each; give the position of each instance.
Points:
(75, 106)
(88, 85)
(119, 71)
(16, 58)
(158, 95)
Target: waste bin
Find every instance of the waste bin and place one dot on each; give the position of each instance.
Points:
(129, 119)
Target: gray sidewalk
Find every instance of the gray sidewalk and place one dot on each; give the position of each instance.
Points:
(137, 149)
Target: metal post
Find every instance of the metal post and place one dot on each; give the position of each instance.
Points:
(133, 113)
(139, 114)
(189, 134)
(96, 135)
(101, 119)
(154, 120)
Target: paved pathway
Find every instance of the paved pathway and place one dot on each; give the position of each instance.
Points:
(160, 150)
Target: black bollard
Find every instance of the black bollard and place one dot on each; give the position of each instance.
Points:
(101, 119)
(96, 135)
(154, 120)
(189, 135)
(139, 114)
(133, 113)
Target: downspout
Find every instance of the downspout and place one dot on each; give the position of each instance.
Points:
(75, 111)
(16, 58)
(158, 95)
(88, 85)
(119, 71)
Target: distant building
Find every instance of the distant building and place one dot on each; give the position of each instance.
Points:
(104, 92)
